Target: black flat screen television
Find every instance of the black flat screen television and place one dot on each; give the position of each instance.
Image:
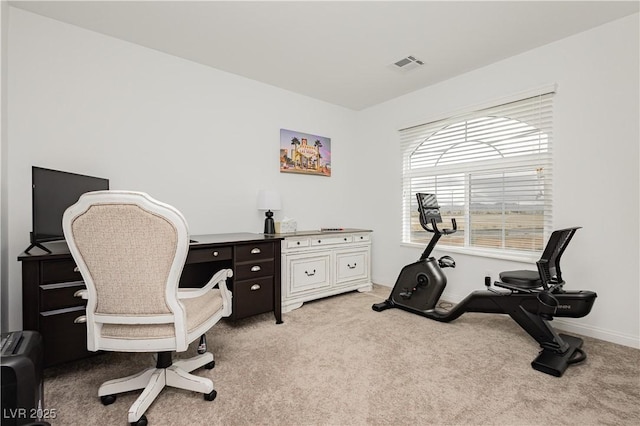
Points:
(53, 192)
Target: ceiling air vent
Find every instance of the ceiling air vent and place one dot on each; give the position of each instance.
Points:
(408, 63)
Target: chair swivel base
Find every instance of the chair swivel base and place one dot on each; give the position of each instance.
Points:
(555, 364)
(154, 379)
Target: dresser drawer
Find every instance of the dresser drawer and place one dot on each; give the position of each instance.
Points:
(291, 244)
(252, 297)
(58, 271)
(308, 273)
(249, 252)
(351, 266)
(201, 255)
(333, 239)
(59, 296)
(361, 238)
(260, 268)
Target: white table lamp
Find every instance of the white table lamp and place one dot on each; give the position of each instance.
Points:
(269, 200)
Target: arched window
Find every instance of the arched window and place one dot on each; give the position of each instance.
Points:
(490, 169)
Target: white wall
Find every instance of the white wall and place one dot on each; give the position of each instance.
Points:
(201, 139)
(596, 183)
(4, 255)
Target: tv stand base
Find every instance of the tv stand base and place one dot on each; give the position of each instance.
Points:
(38, 245)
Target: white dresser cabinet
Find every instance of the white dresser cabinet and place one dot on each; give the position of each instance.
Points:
(319, 264)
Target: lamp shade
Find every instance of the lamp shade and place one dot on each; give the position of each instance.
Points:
(269, 200)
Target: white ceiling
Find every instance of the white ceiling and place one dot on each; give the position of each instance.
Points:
(339, 52)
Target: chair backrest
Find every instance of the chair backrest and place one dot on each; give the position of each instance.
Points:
(130, 250)
(549, 263)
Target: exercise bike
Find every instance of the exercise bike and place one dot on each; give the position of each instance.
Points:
(531, 298)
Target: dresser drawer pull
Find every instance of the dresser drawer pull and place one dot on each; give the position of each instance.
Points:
(255, 268)
(255, 287)
(319, 241)
(351, 267)
(255, 251)
(80, 320)
(345, 239)
(298, 242)
(310, 274)
(215, 254)
(76, 269)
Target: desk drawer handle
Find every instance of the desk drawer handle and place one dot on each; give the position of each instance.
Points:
(215, 254)
(310, 274)
(80, 320)
(76, 269)
(345, 239)
(351, 267)
(255, 287)
(255, 251)
(255, 268)
(319, 241)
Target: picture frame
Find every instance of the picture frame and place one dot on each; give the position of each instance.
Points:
(304, 153)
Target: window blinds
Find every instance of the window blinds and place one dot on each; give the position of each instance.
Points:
(491, 169)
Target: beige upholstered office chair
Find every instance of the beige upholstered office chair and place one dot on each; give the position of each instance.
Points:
(131, 250)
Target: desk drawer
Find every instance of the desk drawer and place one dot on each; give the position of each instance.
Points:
(59, 296)
(252, 297)
(58, 271)
(249, 252)
(200, 255)
(63, 339)
(260, 268)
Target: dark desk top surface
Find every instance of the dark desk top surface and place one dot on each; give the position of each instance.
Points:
(60, 248)
(236, 237)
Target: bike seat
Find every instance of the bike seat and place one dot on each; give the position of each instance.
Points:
(522, 278)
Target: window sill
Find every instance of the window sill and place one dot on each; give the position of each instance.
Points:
(488, 253)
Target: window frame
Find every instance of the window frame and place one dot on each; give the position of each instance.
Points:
(466, 168)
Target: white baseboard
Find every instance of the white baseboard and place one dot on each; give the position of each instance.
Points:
(597, 333)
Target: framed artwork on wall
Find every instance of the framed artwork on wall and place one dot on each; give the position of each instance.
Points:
(304, 153)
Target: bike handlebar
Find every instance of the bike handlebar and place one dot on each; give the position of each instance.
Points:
(444, 231)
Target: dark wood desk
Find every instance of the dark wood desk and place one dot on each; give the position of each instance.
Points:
(50, 280)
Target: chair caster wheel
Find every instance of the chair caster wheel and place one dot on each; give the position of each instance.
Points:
(142, 421)
(108, 399)
(210, 396)
(210, 365)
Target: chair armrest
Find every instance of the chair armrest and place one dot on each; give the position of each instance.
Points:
(219, 277)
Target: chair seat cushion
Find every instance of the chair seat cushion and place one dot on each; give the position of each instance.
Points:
(523, 278)
(198, 309)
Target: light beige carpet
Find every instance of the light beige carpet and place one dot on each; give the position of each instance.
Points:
(337, 362)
